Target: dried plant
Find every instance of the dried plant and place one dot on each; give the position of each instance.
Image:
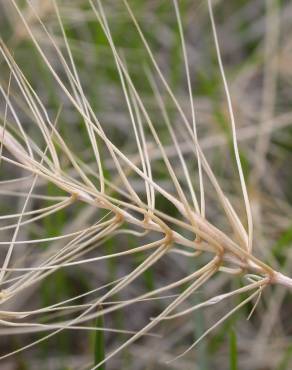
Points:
(107, 191)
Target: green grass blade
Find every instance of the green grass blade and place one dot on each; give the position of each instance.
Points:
(99, 344)
(233, 350)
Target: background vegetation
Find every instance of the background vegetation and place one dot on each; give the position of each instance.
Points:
(254, 37)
